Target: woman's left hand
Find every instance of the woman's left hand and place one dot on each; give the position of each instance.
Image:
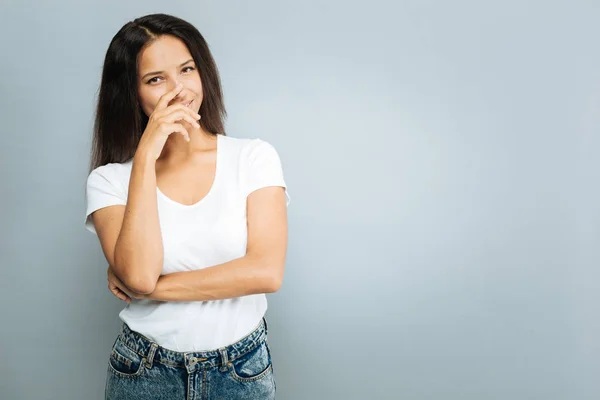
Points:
(119, 289)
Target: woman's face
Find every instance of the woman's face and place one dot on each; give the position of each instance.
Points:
(165, 62)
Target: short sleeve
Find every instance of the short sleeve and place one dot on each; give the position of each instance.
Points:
(263, 168)
(102, 190)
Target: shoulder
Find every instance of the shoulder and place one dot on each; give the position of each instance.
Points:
(114, 174)
(246, 144)
(250, 149)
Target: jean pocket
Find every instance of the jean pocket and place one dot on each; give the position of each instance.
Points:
(124, 362)
(252, 366)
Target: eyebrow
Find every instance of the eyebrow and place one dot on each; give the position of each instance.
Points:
(160, 72)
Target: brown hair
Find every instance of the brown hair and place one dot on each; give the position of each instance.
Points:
(120, 120)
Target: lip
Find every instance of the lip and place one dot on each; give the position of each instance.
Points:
(187, 104)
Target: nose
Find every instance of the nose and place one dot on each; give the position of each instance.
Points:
(179, 95)
(173, 84)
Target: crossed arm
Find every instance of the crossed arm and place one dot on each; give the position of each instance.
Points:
(260, 270)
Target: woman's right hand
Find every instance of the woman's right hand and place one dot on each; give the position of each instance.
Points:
(162, 123)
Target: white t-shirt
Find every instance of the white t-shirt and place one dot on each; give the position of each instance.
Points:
(209, 232)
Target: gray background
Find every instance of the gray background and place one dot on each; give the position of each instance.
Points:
(441, 158)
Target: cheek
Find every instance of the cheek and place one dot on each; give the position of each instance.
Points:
(148, 100)
(194, 84)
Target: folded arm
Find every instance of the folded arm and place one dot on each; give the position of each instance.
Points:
(259, 271)
(130, 235)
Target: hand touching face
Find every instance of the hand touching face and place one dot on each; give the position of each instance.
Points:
(165, 62)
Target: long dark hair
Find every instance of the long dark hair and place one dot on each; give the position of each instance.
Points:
(120, 120)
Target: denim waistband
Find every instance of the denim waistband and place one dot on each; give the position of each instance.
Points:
(152, 352)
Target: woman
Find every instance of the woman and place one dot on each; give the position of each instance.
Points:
(192, 222)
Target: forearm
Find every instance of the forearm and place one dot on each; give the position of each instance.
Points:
(240, 277)
(139, 248)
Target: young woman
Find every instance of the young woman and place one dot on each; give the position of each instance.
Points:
(193, 223)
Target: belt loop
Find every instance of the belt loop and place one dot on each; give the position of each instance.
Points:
(224, 359)
(266, 327)
(150, 359)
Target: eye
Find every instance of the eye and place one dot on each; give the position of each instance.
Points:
(190, 68)
(153, 80)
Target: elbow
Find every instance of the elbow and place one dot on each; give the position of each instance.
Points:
(136, 281)
(267, 272)
(140, 284)
(136, 276)
(274, 287)
(274, 280)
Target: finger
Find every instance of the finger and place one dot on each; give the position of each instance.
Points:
(121, 295)
(118, 295)
(175, 127)
(114, 290)
(174, 108)
(181, 115)
(164, 100)
(125, 297)
(185, 109)
(113, 287)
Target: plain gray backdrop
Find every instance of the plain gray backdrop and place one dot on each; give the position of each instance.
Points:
(442, 163)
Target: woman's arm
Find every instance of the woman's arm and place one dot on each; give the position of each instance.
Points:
(130, 235)
(259, 271)
(139, 248)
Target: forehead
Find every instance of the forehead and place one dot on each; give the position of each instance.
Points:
(162, 53)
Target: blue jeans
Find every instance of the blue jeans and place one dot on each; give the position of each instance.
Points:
(141, 369)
